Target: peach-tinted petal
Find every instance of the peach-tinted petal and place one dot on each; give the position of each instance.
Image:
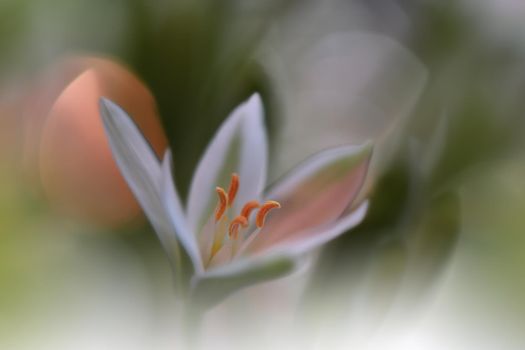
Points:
(303, 241)
(315, 194)
(77, 170)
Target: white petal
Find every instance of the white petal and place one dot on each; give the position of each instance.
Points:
(140, 167)
(364, 86)
(175, 213)
(214, 285)
(239, 146)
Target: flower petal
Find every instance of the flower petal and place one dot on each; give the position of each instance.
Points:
(216, 284)
(315, 194)
(141, 169)
(309, 239)
(239, 146)
(223, 256)
(173, 207)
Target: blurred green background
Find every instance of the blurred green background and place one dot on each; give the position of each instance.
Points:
(438, 85)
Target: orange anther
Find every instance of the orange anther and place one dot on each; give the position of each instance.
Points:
(234, 226)
(263, 212)
(232, 190)
(248, 208)
(223, 203)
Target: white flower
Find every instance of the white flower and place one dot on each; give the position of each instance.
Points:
(238, 234)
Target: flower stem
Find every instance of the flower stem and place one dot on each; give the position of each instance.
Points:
(191, 325)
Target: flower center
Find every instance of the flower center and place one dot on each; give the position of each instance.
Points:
(240, 221)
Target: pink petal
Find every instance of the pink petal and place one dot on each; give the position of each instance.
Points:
(315, 194)
(303, 241)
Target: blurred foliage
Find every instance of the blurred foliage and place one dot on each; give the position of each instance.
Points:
(469, 116)
(198, 68)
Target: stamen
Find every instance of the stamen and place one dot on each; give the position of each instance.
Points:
(248, 208)
(232, 190)
(218, 237)
(223, 203)
(263, 212)
(234, 226)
